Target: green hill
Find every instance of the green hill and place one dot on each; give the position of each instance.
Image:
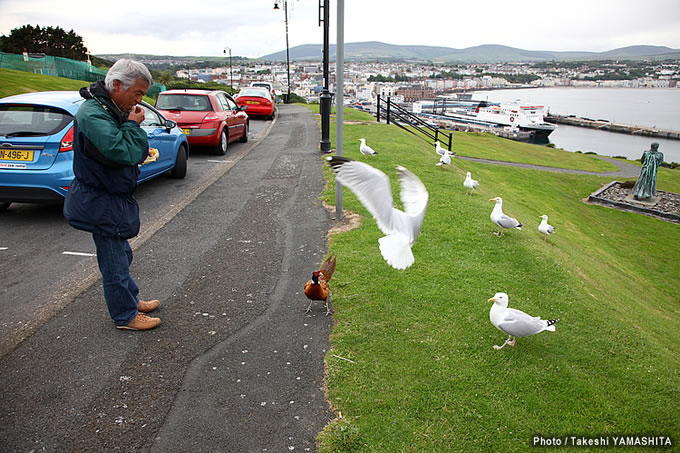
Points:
(18, 82)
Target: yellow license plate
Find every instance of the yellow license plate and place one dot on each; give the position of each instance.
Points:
(252, 102)
(16, 154)
(186, 131)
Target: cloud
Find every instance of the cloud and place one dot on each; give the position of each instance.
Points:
(253, 28)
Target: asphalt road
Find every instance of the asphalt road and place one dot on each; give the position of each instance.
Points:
(41, 256)
(236, 365)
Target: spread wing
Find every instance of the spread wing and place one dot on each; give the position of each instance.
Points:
(414, 196)
(370, 185)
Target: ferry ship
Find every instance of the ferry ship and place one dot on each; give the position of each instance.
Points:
(528, 119)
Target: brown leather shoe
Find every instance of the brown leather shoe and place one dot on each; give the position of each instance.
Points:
(147, 306)
(141, 322)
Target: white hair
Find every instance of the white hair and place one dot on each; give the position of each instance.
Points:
(127, 72)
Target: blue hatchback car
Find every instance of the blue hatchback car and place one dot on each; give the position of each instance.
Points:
(36, 153)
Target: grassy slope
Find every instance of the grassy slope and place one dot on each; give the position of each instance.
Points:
(19, 82)
(424, 375)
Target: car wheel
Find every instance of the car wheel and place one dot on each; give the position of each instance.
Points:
(246, 129)
(221, 148)
(180, 169)
(4, 206)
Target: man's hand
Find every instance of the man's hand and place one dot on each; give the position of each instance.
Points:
(136, 114)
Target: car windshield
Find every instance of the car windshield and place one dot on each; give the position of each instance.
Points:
(193, 102)
(32, 120)
(259, 92)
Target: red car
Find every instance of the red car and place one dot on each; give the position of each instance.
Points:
(207, 117)
(258, 100)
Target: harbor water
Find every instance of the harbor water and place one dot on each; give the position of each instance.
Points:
(650, 107)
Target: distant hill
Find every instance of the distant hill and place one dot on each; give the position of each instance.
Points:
(488, 53)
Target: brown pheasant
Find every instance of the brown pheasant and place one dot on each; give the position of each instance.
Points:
(318, 288)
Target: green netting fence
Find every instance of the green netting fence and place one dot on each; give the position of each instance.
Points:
(61, 67)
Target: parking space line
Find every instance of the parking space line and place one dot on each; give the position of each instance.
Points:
(220, 161)
(4, 248)
(78, 253)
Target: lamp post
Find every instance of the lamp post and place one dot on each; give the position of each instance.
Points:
(325, 105)
(285, 12)
(231, 73)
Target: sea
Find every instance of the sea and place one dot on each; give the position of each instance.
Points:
(650, 107)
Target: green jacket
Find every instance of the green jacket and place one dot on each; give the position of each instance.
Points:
(118, 139)
(106, 150)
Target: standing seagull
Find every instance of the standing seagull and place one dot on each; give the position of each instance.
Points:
(372, 188)
(545, 228)
(470, 183)
(503, 221)
(365, 149)
(515, 323)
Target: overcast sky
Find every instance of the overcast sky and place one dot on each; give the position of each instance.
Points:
(252, 28)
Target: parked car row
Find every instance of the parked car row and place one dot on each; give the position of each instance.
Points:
(36, 135)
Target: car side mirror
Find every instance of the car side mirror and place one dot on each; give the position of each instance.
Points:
(169, 124)
(244, 108)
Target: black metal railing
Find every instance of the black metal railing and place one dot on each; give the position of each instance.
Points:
(399, 116)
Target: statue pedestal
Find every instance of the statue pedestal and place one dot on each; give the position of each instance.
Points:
(649, 202)
(665, 206)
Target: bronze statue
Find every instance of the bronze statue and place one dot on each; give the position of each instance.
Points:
(645, 187)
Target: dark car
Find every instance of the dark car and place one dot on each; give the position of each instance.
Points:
(36, 152)
(207, 117)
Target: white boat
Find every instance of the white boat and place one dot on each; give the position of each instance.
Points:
(527, 118)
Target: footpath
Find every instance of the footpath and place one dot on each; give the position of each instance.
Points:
(625, 170)
(236, 365)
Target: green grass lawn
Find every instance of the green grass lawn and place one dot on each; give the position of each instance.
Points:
(423, 374)
(19, 82)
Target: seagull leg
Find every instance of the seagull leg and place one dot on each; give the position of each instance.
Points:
(512, 343)
(498, 348)
(309, 308)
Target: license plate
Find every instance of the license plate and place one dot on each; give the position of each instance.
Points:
(186, 131)
(252, 102)
(16, 154)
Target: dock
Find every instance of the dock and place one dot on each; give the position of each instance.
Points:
(606, 125)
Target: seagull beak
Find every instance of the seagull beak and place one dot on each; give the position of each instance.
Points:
(491, 199)
(493, 299)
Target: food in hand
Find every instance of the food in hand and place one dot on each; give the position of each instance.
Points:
(152, 157)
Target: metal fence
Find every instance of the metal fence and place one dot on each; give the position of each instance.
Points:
(395, 114)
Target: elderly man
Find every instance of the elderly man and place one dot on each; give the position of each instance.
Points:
(108, 146)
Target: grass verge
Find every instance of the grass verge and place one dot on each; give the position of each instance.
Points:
(423, 375)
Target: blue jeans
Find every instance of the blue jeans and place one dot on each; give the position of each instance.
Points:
(114, 256)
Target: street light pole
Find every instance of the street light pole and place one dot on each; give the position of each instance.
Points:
(285, 12)
(325, 105)
(231, 73)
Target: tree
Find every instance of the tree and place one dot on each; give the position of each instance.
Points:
(54, 41)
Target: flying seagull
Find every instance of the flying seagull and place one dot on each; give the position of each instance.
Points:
(365, 149)
(545, 228)
(372, 188)
(503, 221)
(470, 183)
(514, 322)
